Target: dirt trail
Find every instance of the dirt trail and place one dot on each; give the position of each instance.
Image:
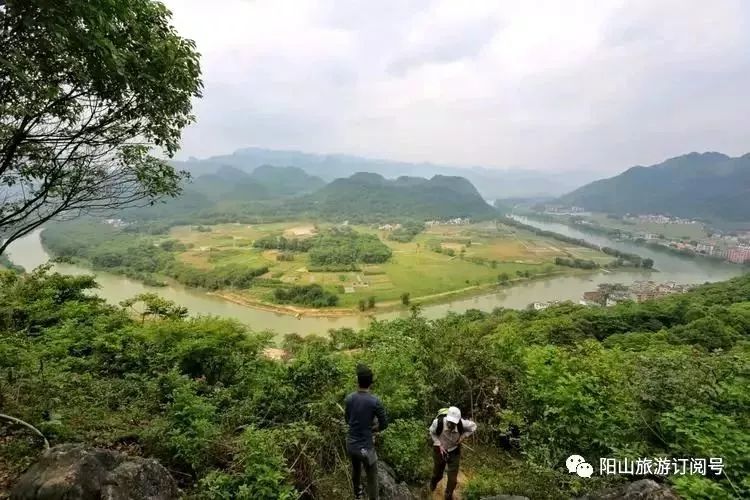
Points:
(439, 493)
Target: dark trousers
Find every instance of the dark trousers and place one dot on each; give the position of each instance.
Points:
(360, 462)
(440, 464)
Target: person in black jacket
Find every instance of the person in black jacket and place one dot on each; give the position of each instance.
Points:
(361, 410)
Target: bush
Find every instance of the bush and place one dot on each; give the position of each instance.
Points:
(307, 295)
(261, 477)
(404, 447)
(188, 435)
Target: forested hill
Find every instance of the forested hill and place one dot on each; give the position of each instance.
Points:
(709, 186)
(371, 196)
(229, 183)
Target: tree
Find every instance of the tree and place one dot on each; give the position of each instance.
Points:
(370, 302)
(405, 298)
(647, 263)
(493, 264)
(362, 305)
(153, 305)
(503, 278)
(86, 90)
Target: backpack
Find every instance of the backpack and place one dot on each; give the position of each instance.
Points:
(441, 417)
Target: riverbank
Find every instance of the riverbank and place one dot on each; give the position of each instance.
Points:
(29, 253)
(392, 306)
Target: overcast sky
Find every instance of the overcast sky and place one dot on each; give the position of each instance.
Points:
(561, 84)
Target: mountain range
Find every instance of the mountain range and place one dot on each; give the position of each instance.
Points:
(710, 186)
(492, 183)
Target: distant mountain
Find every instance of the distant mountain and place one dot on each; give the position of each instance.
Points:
(710, 186)
(286, 181)
(369, 196)
(492, 183)
(228, 183)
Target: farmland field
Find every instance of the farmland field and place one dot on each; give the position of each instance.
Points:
(442, 260)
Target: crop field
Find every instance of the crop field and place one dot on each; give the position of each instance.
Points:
(481, 254)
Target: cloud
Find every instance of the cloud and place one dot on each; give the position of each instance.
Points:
(543, 84)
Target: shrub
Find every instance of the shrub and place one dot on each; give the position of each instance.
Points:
(261, 476)
(404, 447)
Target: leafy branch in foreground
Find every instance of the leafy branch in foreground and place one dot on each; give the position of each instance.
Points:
(86, 90)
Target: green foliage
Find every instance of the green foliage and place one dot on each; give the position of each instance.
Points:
(367, 197)
(188, 434)
(282, 243)
(7, 264)
(118, 251)
(346, 246)
(88, 89)
(261, 476)
(404, 447)
(662, 378)
(307, 295)
(405, 298)
(707, 185)
(406, 232)
(577, 263)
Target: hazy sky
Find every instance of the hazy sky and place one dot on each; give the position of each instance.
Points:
(540, 84)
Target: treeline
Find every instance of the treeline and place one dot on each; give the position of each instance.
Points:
(282, 243)
(664, 378)
(7, 264)
(344, 246)
(622, 258)
(406, 232)
(576, 263)
(140, 258)
(307, 295)
(335, 249)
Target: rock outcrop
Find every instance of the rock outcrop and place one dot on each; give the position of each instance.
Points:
(75, 472)
(643, 489)
(388, 488)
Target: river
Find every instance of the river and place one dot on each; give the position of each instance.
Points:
(29, 253)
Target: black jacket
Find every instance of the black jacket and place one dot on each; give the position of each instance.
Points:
(361, 408)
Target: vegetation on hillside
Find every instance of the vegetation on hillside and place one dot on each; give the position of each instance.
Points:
(662, 378)
(367, 197)
(708, 186)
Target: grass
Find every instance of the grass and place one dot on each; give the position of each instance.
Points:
(414, 268)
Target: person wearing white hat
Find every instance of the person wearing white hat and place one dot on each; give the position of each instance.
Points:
(448, 431)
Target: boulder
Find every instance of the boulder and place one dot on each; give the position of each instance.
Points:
(388, 488)
(643, 489)
(75, 472)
